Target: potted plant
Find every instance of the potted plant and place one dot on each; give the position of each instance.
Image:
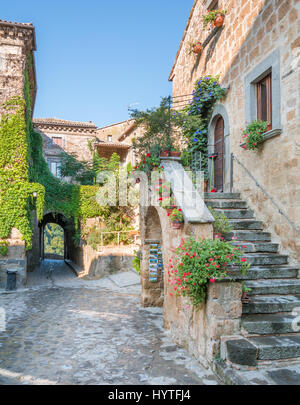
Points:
(177, 218)
(164, 153)
(245, 290)
(195, 47)
(168, 204)
(221, 225)
(174, 153)
(215, 18)
(253, 135)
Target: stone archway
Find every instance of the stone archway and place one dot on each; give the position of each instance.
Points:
(69, 231)
(152, 270)
(220, 112)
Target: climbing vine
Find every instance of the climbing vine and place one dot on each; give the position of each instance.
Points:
(26, 183)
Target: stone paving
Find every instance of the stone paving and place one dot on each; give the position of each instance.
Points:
(65, 330)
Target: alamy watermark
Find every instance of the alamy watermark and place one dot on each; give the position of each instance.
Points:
(2, 320)
(296, 320)
(121, 189)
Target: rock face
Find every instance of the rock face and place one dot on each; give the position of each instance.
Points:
(257, 35)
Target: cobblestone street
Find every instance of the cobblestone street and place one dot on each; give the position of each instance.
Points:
(64, 330)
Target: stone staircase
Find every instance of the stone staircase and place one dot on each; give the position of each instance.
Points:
(268, 332)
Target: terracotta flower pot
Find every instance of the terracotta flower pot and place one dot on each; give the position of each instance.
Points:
(245, 297)
(205, 186)
(175, 154)
(170, 209)
(164, 154)
(197, 48)
(219, 21)
(177, 225)
(217, 235)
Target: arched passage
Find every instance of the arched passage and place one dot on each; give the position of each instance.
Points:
(68, 233)
(152, 265)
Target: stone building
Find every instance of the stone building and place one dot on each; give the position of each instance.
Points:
(69, 136)
(256, 51)
(119, 137)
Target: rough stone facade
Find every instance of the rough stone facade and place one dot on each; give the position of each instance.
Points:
(257, 35)
(65, 136)
(199, 331)
(17, 44)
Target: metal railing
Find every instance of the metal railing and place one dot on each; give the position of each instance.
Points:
(135, 234)
(234, 158)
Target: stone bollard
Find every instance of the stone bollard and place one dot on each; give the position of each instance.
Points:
(11, 281)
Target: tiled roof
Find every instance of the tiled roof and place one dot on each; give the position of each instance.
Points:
(57, 121)
(121, 145)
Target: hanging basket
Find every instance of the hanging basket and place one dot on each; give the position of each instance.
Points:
(219, 21)
(198, 48)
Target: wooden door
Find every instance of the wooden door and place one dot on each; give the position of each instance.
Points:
(219, 150)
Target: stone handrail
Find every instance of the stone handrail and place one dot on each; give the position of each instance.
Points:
(187, 197)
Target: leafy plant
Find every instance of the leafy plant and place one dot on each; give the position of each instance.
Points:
(194, 119)
(198, 262)
(253, 135)
(210, 17)
(136, 263)
(176, 215)
(221, 224)
(158, 135)
(3, 247)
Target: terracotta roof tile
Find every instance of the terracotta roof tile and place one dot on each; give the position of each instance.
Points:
(57, 121)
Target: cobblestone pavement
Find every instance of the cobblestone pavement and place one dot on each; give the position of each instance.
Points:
(64, 330)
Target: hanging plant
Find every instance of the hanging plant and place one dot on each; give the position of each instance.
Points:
(195, 47)
(214, 18)
(253, 135)
(177, 218)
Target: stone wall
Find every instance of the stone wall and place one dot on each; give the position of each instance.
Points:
(17, 41)
(199, 331)
(253, 31)
(90, 263)
(14, 260)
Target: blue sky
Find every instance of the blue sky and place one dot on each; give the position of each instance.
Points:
(96, 57)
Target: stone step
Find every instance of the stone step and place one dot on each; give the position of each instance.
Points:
(221, 196)
(248, 236)
(265, 259)
(280, 286)
(249, 351)
(257, 247)
(268, 324)
(233, 204)
(267, 304)
(268, 272)
(247, 224)
(236, 213)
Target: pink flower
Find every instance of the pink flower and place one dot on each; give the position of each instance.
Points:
(212, 280)
(244, 259)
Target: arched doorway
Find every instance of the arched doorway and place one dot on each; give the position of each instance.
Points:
(219, 141)
(219, 151)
